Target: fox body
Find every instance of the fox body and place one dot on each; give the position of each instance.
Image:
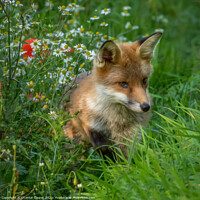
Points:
(114, 99)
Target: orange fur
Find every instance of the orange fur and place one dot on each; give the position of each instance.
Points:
(110, 99)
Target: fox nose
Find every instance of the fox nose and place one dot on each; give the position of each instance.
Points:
(145, 107)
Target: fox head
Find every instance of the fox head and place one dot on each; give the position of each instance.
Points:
(122, 72)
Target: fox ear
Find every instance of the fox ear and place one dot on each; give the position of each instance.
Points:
(108, 52)
(147, 45)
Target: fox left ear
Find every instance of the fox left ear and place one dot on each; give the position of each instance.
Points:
(108, 52)
(147, 45)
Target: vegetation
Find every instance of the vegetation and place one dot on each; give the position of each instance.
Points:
(44, 45)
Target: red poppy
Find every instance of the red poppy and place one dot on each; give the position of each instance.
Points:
(28, 48)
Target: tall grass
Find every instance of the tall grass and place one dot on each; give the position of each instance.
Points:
(34, 159)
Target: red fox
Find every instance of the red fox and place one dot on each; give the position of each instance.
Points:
(114, 99)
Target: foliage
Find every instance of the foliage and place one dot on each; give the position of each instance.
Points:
(44, 45)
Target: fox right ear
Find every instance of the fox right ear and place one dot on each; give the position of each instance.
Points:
(108, 52)
(147, 45)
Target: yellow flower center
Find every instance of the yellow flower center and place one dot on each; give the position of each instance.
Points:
(64, 72)
(31, 84)
(79, 45)
(17, 2)
(35, 43)
(66, 46)
(105, 10)
(105, 36)
(70, 68)
(82, 30)
(63, 7)
(84, 48)
(88, 53)
(82, 65)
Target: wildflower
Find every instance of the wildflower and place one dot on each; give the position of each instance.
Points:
(35, 44)
(104, 38)
(126, 8)
(42, 183)
(50, 34)
(99, 44)
(75, 181)
(105, 11)
(47, 100)
(159, 30)
(79, 186)
(59, 34)
(41, 164)
(53, 115)
(94, 18)
(61, 8)
(18, 4)
(57, 52)
(28, 48)
(64, 47)
(34, 7)
(30, 84)
(125, 13)
(79, 47)
(128, 25)
(66, 12)
(56, 42)
(67, 59)
(89, 33)
(81, 30)
(82, 65)
(37, 98)
(34, 23)
(103, 24)
(17, 16)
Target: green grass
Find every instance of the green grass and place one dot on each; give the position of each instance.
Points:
(166, 164)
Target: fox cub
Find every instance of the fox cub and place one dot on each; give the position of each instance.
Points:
(114, 99)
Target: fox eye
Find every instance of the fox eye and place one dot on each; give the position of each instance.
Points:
(144, 81)
(123, 84)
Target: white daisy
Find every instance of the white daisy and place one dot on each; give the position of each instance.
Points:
(57, 52)
(94, 18)
(105, 11)
(103, 24)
